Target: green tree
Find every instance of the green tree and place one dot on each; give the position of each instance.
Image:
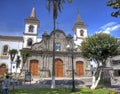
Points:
(56, 6)
(99, 48)
(18, 61)
(24, 56)
(115, 4)
(12, 53)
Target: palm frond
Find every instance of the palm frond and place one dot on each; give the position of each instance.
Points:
(55, 10)
(48, 4)
(70, 1)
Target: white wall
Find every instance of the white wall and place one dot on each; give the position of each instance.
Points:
(12, 45)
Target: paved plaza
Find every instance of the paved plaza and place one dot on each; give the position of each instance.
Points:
(65, 83)
(60, 83)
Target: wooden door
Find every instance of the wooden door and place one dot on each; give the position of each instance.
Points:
(58, 68)
(34, 67)
(2, 69)
(79, 68)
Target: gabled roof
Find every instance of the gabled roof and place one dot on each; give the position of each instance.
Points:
(11, 38)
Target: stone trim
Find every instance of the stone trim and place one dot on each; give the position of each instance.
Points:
(4, 57)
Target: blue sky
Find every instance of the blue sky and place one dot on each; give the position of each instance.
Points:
(94, 13)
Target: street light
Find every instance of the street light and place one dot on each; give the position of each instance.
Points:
(71, 49)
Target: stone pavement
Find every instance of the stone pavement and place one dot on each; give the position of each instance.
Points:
(60, 83)
(66, 83)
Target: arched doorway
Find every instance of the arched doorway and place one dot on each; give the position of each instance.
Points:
(2, 69)
(34, 67)
(58, 68)
(79, 68)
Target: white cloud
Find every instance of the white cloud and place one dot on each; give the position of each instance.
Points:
(109, 27)
(108, 24)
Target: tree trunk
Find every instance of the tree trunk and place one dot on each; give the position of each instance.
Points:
(53, 63)
(21, 70)
(96, 80)
(105, 79)
(101, 78)
(11, 68)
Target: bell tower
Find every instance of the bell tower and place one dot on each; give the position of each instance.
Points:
(31, 29)
(80, 31)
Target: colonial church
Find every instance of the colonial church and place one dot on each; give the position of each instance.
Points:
(40, 61)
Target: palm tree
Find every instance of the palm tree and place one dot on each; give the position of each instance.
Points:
(12, 53)
(56, 6)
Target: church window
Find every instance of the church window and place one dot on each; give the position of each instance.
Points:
(5, 49)
(57, 46)
(29, 42)
(81, 33)
(31, 27)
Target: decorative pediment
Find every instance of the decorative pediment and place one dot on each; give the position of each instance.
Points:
(59, 34)
(47, 41)
(40, 46)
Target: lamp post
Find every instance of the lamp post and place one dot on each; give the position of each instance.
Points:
(73, 72)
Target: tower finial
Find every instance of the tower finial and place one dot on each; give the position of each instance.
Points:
(79, 18)
(33, 13)
(79, 23)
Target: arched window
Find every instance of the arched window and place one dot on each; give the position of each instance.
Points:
(31, 28)
(3, 69)
(57, 46)
(81, 33)
(5, 49)
(29, 42)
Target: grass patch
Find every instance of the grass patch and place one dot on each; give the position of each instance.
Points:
(59, 91)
